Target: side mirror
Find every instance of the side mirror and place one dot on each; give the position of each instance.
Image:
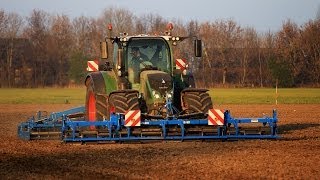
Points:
(104, 50)
(197, 48)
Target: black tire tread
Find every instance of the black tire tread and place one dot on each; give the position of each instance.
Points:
(196, 101)
(101, 101)
(124, 101)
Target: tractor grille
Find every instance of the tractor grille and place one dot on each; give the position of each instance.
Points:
(160, 82)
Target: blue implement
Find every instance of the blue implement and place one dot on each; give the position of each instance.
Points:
(169, 129)
(71, 126)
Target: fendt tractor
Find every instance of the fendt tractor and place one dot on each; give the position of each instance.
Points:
(142, 91)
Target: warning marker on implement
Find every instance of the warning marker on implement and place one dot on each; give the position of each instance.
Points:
(181, 64)
(132, 118)
(215, 117)
(93, 65)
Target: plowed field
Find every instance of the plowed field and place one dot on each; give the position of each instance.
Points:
(295, 156)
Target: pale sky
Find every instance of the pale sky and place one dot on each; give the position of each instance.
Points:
(260, 14)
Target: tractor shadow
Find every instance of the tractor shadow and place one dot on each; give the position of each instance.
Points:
(59, 166)
(290, 128)
(119, 163)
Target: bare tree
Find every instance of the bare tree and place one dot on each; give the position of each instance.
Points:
(268, 47)
(81, 30)
(309, 48)
(249, 47)
(140, 25)
(37, 32)
(232, 55)
(15, 24)
(207, 33)
(3, 48)
(156, 23)
(228, 35)
(287, 45)
(3, 23)
(12, 24)
(95, 37)
(59, 50)
(121, 19)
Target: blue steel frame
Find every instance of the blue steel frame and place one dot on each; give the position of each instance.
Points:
(116, 123)
(270, 122)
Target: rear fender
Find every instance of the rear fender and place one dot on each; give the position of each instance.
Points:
(124, 90)
(103, 82)
(194, 90)
(96, 80)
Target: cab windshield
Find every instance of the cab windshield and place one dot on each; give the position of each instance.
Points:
(148, 53)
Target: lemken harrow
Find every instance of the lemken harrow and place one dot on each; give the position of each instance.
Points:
(70, 126)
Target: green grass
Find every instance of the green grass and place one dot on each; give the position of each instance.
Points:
(266, 96)
(43, 96)
(219, 96)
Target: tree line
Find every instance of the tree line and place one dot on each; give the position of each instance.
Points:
(45, 49)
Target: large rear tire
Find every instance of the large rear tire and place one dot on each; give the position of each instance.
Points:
(196, 101)
(96, 103)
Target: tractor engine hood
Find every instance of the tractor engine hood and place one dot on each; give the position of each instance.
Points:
(155, 83)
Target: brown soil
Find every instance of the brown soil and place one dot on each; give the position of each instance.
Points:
(295, 156)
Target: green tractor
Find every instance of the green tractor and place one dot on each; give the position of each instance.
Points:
(142, 74)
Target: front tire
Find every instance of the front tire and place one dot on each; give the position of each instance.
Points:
(123, 101)
(196, 101)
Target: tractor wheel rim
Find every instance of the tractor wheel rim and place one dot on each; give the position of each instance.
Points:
(92, 107)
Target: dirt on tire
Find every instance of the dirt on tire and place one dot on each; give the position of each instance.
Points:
(294, 156)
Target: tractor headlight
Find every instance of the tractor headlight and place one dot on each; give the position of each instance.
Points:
(184, 72)
(119, 73)
(169, 94)
(155, 94)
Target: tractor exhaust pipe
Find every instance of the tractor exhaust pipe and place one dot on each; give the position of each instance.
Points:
(197, 48)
